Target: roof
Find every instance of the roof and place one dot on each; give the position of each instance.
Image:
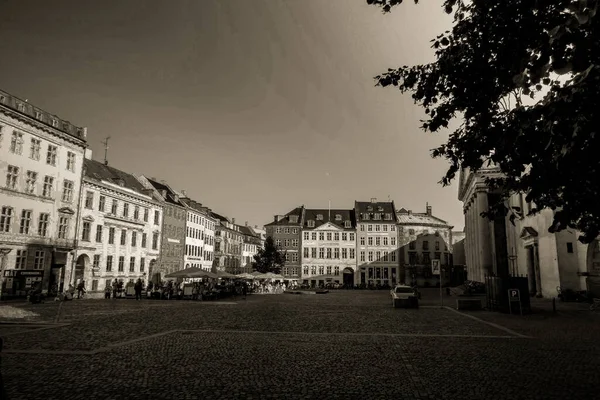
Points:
(385, 207)
(219, 216)
(95, 170)
(298, 211)
(246, 230)
(329, 216)
(419, 219)
(170, 198)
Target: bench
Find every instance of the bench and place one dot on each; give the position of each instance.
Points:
(468, 304)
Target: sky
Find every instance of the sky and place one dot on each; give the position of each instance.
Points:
(251, 107)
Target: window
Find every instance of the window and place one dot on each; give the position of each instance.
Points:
(321, 236)
(109, 263)
(144, 238)
(338, 217)
(377, 256)
(70, 161)
(286, 242)
(125, 210)
(30, 182)
(136, 213)
(336, 253)
(121, 264)
(377, 216)
(133, 239)
(38, 261)
(344, 253)
(313, 252)
(277, 230)
(569, 247)
(286, 230)
(145, 215)
(385, 228)
(426, 259)
(155, 241)
(294, 242)
(425, 245)
(352, 237)
(347, 224)
(377, 228)
(99, 233)
(132, 264)
(370, 241)
(393, 228)
(294, 230)
(329, 270)
(278, 242)
(305, 271)
(344, 236)
(96, 262)
(370, 228)
(85, 231)
(311, 223)
(388, 216)
(11, 177)
(113, 207)
(34, 150)
(294, 257)
(377, 241)
(43, 224)
(67, 194)
(306, 251)
(321, 270)
(306, 235)
(51, 155)
(336, 236)
(156, 217)
(329, 252)
(352, 251)
(63, 227)
(313, 270)
(6, 219)
(385, 256)
(393, 240)
(89, 200)
(48, 186)
(111, 235)
(437, 245)
(25, 222)
(319, 217)
(123, 237)
(21, 259)
(142, 264)
(101, 203)
(328, 235)
(16, 143)
(362, 256)
(411, 231)
(370, 256)
(322, 252)
(385, 241)
(366, 217)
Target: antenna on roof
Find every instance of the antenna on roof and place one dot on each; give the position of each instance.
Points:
(105, 143)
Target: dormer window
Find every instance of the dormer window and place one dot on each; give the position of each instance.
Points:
(388, 216)
(377, 216)
(38, 115)
(338, 217)
(369, 208)
(311, 223)
(294, 219)
(379, 208)
(347, 224)
(319, 217)
(366, 216)
(54, 123)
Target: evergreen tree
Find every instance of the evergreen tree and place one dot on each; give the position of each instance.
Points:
(269, 259)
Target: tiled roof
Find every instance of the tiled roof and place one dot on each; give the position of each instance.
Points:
(286, 218)
(246, 230)
(419, 219)
(170, 192)
(329, 216)
(384, 207)
(219, 216)
(95, 170)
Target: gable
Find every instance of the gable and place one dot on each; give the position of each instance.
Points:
(328, 226)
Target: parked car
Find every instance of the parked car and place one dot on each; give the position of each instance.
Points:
(404, 296)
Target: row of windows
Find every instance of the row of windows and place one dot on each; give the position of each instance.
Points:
(200, 220)
(35, 149)
(39, 259)
(376, 216)
(377, 256)
(229, 235)
(120, 263)
(32, 184)
(89, 204)
(287, 242)
(196, 233)
(86, 231)
(329, 235)
(286, 230)
(329, 253)
(413, 245)
(378, 228)
(311, 223)
(320, 270)
(27, 220)
(425, 258)
(287, 270)
(378, 240)
(197, 251)
(291, 257)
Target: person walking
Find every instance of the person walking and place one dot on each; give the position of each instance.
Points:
(138, 289)
(80, 289)
(244, 290)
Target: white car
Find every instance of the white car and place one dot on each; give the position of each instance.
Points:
(406, 296)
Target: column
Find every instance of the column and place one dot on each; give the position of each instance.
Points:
(538, 278)
(485, 250)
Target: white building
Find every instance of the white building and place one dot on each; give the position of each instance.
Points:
(199, 240)
(41, 159)
(120, 232)
(252, 243)
(328, 247)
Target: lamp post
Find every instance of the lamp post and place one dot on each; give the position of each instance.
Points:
(3, 254)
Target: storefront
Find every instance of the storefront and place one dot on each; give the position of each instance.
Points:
(383, 276)
(18, 282)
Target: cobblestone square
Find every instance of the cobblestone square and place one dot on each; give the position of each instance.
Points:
(342, 345)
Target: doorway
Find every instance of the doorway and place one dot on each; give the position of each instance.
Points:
(348, 277)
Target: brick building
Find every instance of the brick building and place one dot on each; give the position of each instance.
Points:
(286, 233)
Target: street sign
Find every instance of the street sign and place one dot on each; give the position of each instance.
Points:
(435, 267)
(514, 296)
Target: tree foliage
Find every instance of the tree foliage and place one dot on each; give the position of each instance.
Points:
(269, 259)
(497, 54)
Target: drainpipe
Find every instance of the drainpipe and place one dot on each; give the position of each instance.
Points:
(77, 223)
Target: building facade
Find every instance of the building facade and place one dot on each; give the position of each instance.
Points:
(173, 228)
(328, 247)
(228, 246)
(41, 158)
(502, 249)
(120, 232)
(286, 233)
(252, 243)
(377, 243)
(199, 239)
(422, 237)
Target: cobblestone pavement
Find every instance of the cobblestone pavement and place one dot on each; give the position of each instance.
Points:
(342, 345)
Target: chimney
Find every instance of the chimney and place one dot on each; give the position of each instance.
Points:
(409, 212)
(163, 193)
(84, 132)
(233, 220)
(373, 199)
(184, 193)
(246, 223)
(428, 208)
(88, 154)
